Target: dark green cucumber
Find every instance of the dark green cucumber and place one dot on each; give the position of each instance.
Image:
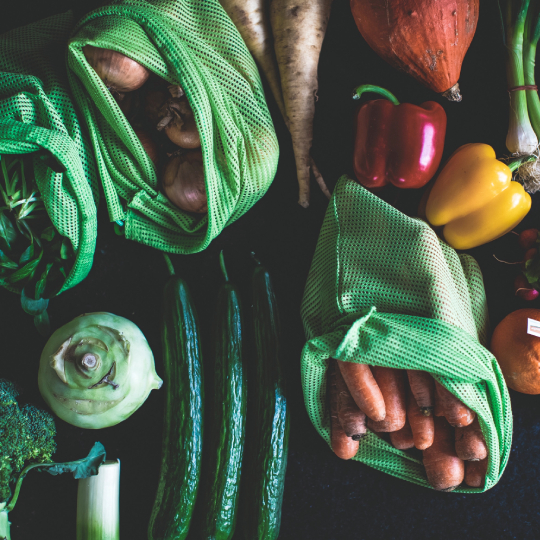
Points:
(268, 422)
(183, 422)
(225, 427)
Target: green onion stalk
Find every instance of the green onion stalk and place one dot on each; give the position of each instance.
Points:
(521, 138)
(98, 503)
(530, 41)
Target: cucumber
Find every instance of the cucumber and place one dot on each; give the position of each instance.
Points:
(268, 422)
(225, 428)
(183, 417)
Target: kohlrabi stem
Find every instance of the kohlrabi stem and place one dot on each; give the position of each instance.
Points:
(521, 138)
(98, 504)
(357, 93)
(530, 41)
(169, 264)
(222, 264)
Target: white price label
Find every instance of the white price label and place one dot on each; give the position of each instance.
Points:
(533, 327)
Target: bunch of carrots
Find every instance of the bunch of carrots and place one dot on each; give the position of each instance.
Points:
(417, 412)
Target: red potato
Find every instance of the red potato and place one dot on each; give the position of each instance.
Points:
(403, 438)
(344, 447)
(351, 418)
(423, 389)
(457, 414)
(363, 389)
(423, 427)
(444, 469)
(475, 473)
(470, 442)
(392, 384)
(299, 27)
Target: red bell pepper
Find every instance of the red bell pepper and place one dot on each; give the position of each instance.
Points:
(398, 144)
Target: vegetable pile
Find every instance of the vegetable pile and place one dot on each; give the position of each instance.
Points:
(416, 411)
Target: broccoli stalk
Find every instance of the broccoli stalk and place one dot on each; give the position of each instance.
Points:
(27, 435)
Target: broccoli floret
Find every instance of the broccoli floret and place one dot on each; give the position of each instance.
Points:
(27, 434)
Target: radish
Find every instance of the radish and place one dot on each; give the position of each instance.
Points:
(527, 238)
(523, 288)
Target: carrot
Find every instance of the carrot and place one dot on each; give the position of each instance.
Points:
(402, 439)
(363, 389)
(392, 385)
(351, 418)
(444, 470)
(457, 414)
(470, 442)
(423, 389)
(251, 18)
(475, 473)
(299, 27)
(343, 446)
(423, 427)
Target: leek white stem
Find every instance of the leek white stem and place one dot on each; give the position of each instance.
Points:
(98, 502)
(521, 138)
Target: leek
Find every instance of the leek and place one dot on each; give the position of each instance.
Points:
(98, 502)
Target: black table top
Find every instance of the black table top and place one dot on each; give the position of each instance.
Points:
(325, 498)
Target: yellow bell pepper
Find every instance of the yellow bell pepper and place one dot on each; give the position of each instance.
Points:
(475, 199)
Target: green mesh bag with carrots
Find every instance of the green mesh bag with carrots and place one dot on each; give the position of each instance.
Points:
(196, 46)
(384, 290)
(48, 183)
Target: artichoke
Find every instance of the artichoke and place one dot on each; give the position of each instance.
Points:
(97, 370)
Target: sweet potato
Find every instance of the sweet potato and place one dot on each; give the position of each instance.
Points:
(363, 389)
(470, 442)
(343, 446)
(392, 384)
(351, 418)
(444, 469)
(423, 389)
(423, 427)
(457, 413)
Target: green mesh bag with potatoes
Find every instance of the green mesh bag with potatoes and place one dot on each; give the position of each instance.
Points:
(48, 182)
(196, 46)
(384, 290)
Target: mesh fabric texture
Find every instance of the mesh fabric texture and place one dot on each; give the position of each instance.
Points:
(384, 290)
(196, 45)
(36, 113)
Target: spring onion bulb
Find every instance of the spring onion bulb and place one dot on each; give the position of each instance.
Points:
(521, 138)
(98, 501)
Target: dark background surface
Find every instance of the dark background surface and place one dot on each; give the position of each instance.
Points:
(325, 498)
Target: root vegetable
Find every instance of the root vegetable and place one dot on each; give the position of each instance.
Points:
(392, 385)
(403, 438)
(182, 129)
(363, 389)
(184, 184)
(423, 427)
(444, 469)
(523, 289)
(344, 447)
(351, 418)
(457, 414)
(527, 238)
(423, 390)
(299, 28)
(251, 19)
(118, 72)
(475, 473)
(470, 442)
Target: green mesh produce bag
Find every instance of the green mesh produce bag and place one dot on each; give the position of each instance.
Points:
(37, 116)
(384, 290)
(196, 45)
